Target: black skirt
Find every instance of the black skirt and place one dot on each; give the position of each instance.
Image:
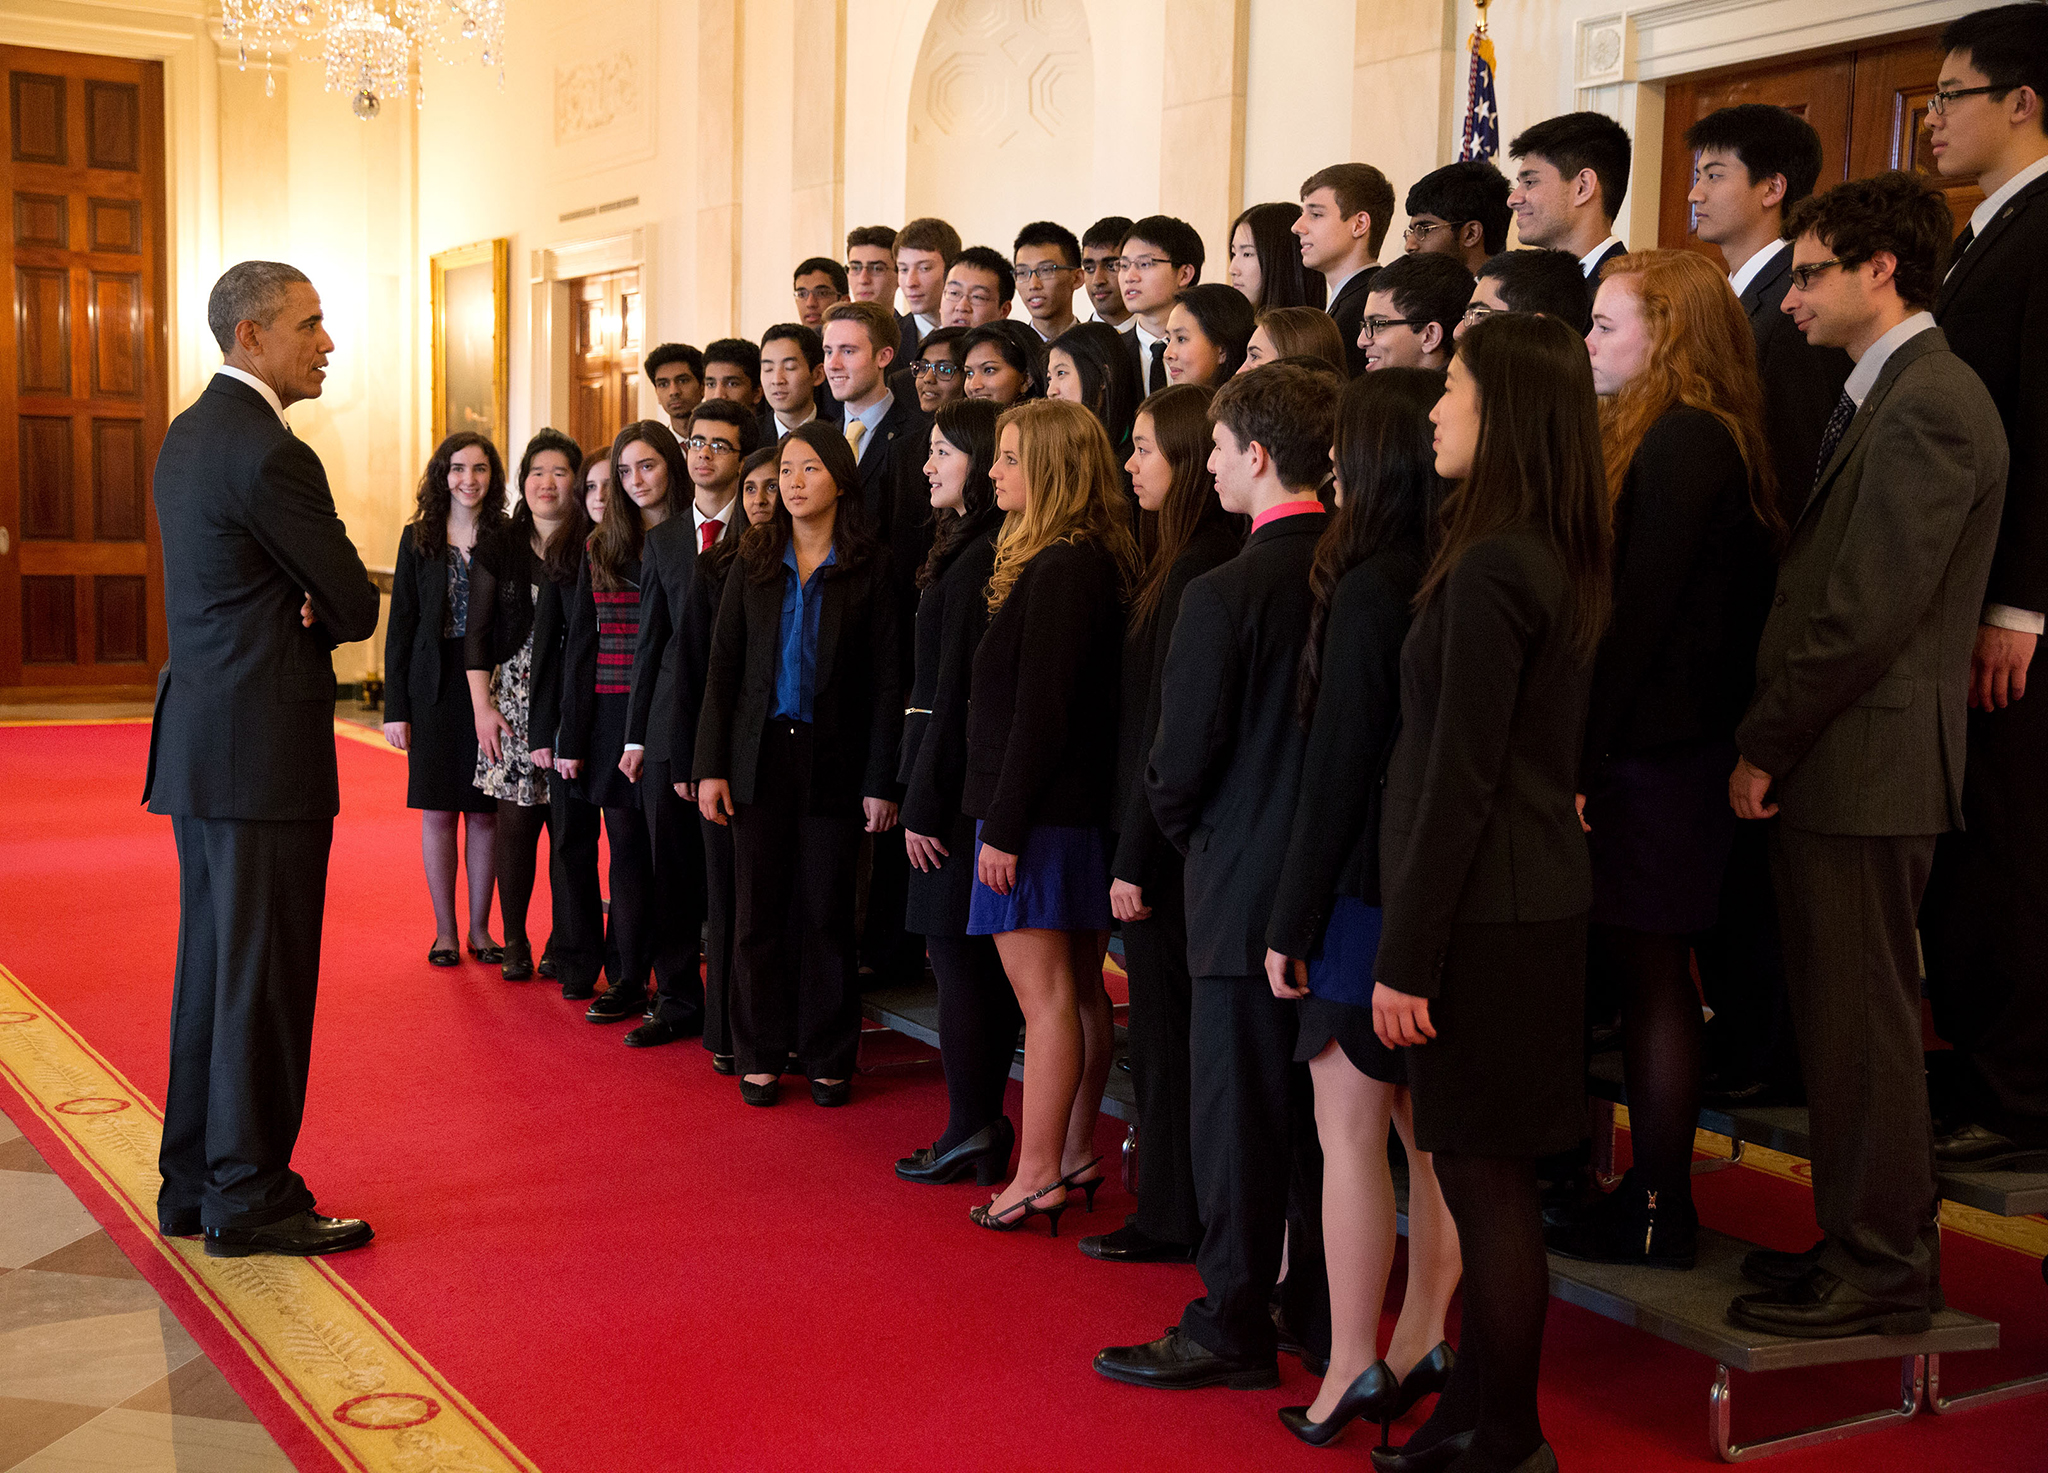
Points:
(440, 758)
(1506, 1073)
(1323, 1020)
(1661, 834)
(937, 904)
(600, 782)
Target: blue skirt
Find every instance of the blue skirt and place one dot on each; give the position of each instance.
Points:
(1339, 1002)
(1062, 885)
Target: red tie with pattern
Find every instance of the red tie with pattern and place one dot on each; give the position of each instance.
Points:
(709, 533)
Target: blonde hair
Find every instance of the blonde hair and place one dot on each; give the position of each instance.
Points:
(1075, 494)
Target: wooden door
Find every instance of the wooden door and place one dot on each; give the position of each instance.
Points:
(604, 356)
(82, 374)
(1869, 106)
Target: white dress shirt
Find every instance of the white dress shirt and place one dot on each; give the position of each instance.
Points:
(1751, 269)
(1145, 342)
(269, 394)
(1592, 258)
(1863, 377)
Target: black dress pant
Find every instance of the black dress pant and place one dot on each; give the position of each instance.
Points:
(577, 934)
(251, 899)
(1847, 904)
(718, 928)
(629, 919)
(795, 986)
(676, 915)
(1156, 962)
(1258, 1173)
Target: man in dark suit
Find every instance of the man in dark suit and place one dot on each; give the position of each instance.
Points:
(1854, 740)
(260, 584)
(1985, 923)
(1571, 175)
(925, 251)
(1345, 211)
(1161, 257)
(1222, 780)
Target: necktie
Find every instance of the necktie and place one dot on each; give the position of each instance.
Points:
(855, 430)
(1962, 244)
(708, 533)
(1156, 380)
(1845, 410)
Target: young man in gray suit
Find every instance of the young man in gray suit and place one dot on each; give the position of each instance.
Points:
(260, 584)
(1854, 740)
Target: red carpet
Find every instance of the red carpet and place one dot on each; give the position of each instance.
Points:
(622, 1267)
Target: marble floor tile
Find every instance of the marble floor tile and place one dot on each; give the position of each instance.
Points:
(128, 1441)
(28, 1426)
(100, 1361)
(38, 1215)
(195, 1389)
(18, 1155)
(30, 1297)
(7, 1130)
(95, 1255)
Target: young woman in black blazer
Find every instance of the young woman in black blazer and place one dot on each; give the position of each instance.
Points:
(1695, 526)
(505, 581)
(1189, 533)
(1041, 775)
(1206, 334)
(978, 1016)
(1326, 920)
(597, 668)
(758, 501)
(796, 748)
(461, 502)
(1481, 968)
(1003, 362)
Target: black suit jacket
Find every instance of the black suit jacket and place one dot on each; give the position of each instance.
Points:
(660, 714)
(1334, 847)
(1801, 383)
(771, 432)
(1135, 351)
(244, 724)
(1227, 761)
(1480, 824)
(412, 635)
(1348, 312)
(952, 615)
(910, 338)
(1993, 309)
(896, 498)
(1593, 276)
(502, 573)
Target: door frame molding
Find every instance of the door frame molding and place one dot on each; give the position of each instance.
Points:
(550, 271)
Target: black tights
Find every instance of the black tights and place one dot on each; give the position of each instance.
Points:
(978, 1022)
(1663, 1033)
(518, 845)
(1494, 1202)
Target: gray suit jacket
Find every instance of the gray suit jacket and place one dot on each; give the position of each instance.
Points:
(1863, 673)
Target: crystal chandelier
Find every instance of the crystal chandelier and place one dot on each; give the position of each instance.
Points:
(371, 48)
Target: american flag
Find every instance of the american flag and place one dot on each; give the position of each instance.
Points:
(1482, 115)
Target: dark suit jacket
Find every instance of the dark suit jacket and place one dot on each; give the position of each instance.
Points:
(1692, 580)
(1863, 675)
(1334, 846)
(550, 640)
(412, 635)
(1348, 312)
(1593, 276)
(951, 618)
(771, 432)
(1138, 841)
(244, 724)
(856, 704)
(1801, 384)
(1480, 824)
(896, 498)
(1135, 351)
(502, 573)
(1227, 759)
(911, 339)
(1993, 309)
(659, 715)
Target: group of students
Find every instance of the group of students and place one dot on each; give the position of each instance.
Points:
(1384, 670)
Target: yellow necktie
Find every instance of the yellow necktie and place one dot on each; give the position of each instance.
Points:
(854, 430)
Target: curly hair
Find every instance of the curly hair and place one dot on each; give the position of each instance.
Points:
(432, 501)
(1895, 212)
(1076, 494)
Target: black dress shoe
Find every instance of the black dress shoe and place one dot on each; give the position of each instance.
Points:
(1134, 1245)
(490, 955)
(617, 1005)
(656, 1032)
(1174, 1362)
(302, 1235)
(1369, 1396)
(181, 1225)
(1289, 1343)
(833, 1095)
(578, 991)
(443, 956)
(1973, 1147)
(1823, 1307)
(760, 1094)
(986, 1153)
(1774, 1268)
(1439, 1454)
(722, 1064)
(517, 965)
(547, 962)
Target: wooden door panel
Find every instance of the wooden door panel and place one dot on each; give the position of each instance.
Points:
(114, 225)
(120, 620)
(1893, 84)
(49, 620)
(119, 502)
(114, 318)
(113, 125)
(46, 478)
(41, 220)
(42, 324)
(35, 105)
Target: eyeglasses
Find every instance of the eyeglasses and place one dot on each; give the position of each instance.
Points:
(716, 447)
(981, 298)
(1045, 273)
(1937, 103)
(1477, 312)
(1374, 326)
(824, 294)
(925, 368)
(1138, 263)
(1805, 276)
(870, 268)
(1420, 229)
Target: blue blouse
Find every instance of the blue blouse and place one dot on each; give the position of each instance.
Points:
(796, 665)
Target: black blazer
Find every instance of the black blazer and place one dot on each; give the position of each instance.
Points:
(1480, 823)
(1801, 383)
(412, 635)
(1593, 276)
(951, 618)
(1139, 842)
(1993, 309)
(1135, 351)
(856, 705)
(1334, 847)
(771, 432)
(502, 573)
(1226, 763)
(550, 638)
(1693, 572)
(1041, 716)
(1348, 311)
(244, 723)
(910, 338)
(893, 487)
(660, 715)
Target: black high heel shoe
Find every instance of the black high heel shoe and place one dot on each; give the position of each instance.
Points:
(1003, 1222)
(1367, 1397)
(1427, 1377)
(986, 1153)
(1090, 1187)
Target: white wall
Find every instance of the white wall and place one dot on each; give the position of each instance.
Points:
(1297, 94)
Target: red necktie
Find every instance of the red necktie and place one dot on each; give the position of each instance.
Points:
(709, 533)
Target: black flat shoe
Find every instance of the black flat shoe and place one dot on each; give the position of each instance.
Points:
(490, 954)
(986, 1153)
(443, 956)
(1369, 1396)
(1174, 1362)
(547, 962)
(1974, 1147)
(1823, 1307)
(517, 965)
(831, 1096)
(1427, 1377)
(1289, 1343)
(1133, 1245)
(617, 1005)
(722, 1064)
(1429, 1459)
(1774, 1268)
(302, 1235)
(579, 991)
(761, 1094)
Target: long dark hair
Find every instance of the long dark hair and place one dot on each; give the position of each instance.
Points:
(1109, 380)
(550, 439)
(719, 556)
(1537, 464)
(1226, 320)
(1180, 426)
(969, 426)
(433, 499)
(1021, 346)
(761, 548)
(615, 545)
(1392, 493)
(1283, 280)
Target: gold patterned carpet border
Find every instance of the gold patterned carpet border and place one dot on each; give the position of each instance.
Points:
(357, 1387)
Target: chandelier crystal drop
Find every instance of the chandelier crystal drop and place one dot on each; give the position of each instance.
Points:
(369, 49)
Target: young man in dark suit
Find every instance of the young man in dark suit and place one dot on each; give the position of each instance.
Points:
(732, 370)
(1460, 211)
(1345, 211)
(793, 389)
(1415, 304)
(818, 284)
(1571, 175)
(1854, 741)
(260, 584)
(871, 264)
(1101, 248)
(1161, 258)
(979, 288)
(1985, 924)
(1046, 261)
(675, 371)
(925, 251)
(1547, 283)
(1222, 780)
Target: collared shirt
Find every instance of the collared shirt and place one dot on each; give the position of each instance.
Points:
(786, 425)
(1984, 214)
(1285, 509)
(926, 326)
(796, 667)
(1145, 342)
(1337, 287)
(1751, 269)
(269, 394)
(723, 516)
(1863, 377)
(1592, 258)
(871, 417)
